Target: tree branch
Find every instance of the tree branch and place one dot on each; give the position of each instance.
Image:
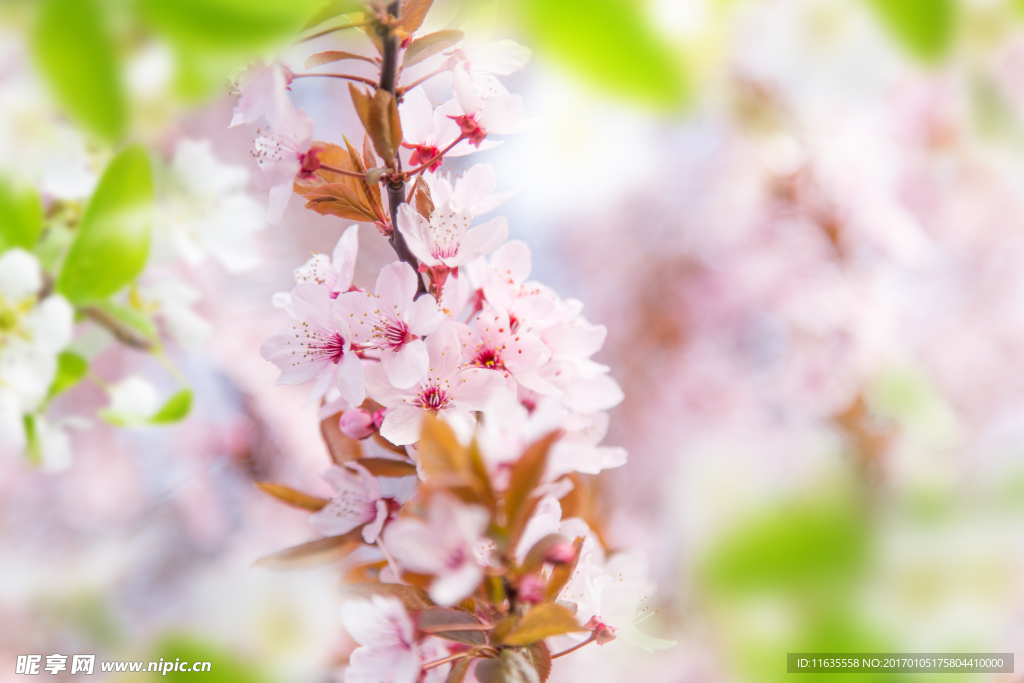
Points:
(347, 77)
(122, 332)
(396, 186)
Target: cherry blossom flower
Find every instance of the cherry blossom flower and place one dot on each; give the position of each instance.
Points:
(319, 346)
(264, 92)
(490, 343)
(446, 241)
(448, 388)
(283, 153)
(32, 333)
(389, 651)
(485, 106)
(205, 210)
(472, 192)
(442, 546)
(502, 57)
(333, 272)
(428, 130)
(393, 321)
(358, 502)
(531, 306)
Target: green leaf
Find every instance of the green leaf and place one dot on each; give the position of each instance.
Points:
(33, 448)
(71, 368)
(112, 243)
(226, 25)
(225, 666)
(21, 217)
(923, 27)
(611, 45)
(174, 410)
(130, 317)
(333, 8)
(76, 56)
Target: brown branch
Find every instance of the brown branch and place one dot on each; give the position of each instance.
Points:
(396, 185)
(588, 641)
(406, 88)
(122, 332)
(348, 77)
(341, 171)
(445, 660)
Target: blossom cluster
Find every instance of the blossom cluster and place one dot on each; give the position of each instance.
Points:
(460, 400)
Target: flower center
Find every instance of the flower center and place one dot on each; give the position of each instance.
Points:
(470, 129)
(488, 357)
(393, 335)
(421, 154)
(433, 397)
(330, 345)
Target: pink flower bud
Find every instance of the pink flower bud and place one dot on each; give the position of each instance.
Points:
(378, 417)
(357, 423)
(531, 589)
(603, 633)
(562, 552)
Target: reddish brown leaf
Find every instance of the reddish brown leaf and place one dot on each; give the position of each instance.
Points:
(510, 667)
(342, 448)
(361, 101)
(424, 202)
(386, 467)
(543, 621)
(413, 13)
(291, 496)
(535, 557)
(540, 658)
(384, 125)
(369, 158)
(451, 624)
(429, 45)
(414, 599)
(526, 475)
(330, 56)
(318, 552)
(458, 672)
(370, 190)
(561, 574)
(338, 199)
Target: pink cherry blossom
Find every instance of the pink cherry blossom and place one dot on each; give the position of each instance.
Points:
(358, 502)
(502, 57)
(393, 321)
(282, 153)
(442, 546)
(446, 241)
(530, 305)
(318, 346)
(473, 191)
(485, 106)
(428, 130)
(264, 92)
(357, 424)
(332, 272)
(389, 651)
(491, 343)
(448, 388)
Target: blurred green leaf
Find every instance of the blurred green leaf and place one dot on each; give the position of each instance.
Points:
(226, 25)
(333, 8)
(21, 217)
(33, 448)
(112, 243)
(609, 44)
(225, 666)
(76, 56)
(71, 368)
(174, 410)
(803, 544)
(923, 27)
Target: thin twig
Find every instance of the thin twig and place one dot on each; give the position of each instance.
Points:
(396, 185)
(336, 28)
(122, 332)
(348, 77)
(589, 640)
(445, 660)
(341, 171)
(422, 167)
(406, 88)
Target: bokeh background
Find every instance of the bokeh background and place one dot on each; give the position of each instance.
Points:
(802, 222)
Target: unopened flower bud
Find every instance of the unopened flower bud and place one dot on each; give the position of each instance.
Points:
(378, 417)
(562, 552)
(531, 589)
(357, 423)
(602, 632)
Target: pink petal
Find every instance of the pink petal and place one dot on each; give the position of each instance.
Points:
(474, 388)
(408, 365)
(424, 316)
(396, 287)
(350, 380)
(481, 240)
(402, 425)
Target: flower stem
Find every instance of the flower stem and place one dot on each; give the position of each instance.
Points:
(589, 640)
(406, 88)
(341, 171)
(121, 332)
(396, 185)
(424, 166)
(347, 77)
(445, 660)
